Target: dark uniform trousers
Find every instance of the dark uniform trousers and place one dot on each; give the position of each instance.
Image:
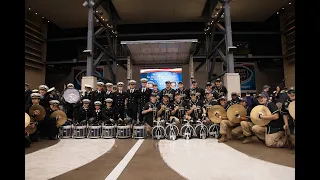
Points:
(144, 98)
(69, 109)
(132, 106)
(98, 96)
(83, 115)
(49, 124)
(120, 104)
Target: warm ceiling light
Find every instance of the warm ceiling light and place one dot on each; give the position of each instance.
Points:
(42, 17)
(277, 12)
(282, 8)
(289, 3)
(36, 13)
(48, 21)
(29, 8)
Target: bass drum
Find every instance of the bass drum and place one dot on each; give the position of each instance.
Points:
(71, 95)
(157, 132)
(201, 131)
(171, 132)
(214, 131)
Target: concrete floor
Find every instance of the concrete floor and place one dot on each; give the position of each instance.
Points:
(126, 159)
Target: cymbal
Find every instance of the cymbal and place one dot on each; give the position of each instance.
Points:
(292, 109)
(255, 113)
(216, 109)
(26, 120)
(235, 111)
(42, 112)
(62, 119)
(31, 130)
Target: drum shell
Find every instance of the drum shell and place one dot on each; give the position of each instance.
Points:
(139, 132)
(187, 128)
(80, 132)
(214, 130)
(123, 132)
(109, 132)
(158, 129)
(203, 127)
(66, 132)
(94, 132)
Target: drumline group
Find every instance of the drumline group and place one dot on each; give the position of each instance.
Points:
(168, 113)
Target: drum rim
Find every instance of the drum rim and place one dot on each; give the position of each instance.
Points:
(123, 127)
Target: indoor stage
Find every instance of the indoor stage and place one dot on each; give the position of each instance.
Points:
(146, 159)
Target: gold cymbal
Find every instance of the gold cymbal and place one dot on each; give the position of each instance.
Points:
(62, 119)
(255, 113)
(216, 109)
(42, 112)
(26, 120)
(292, 109)
(31, 130)
(235, 111)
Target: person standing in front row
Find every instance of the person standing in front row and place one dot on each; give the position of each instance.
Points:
(145, 94)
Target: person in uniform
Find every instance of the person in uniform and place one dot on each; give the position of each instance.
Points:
(156, 91)
(50, 123)
(183, 92)
(52, 94)
(288, 120)
(207, 103)
(133, 101)
(196, 109)
(99, 116)
(84, 114)
(99, 94)
(29, 101)
(120, 100)
(44, 100)
(219, 89)
(199, 92)
(110, 112)
(265, 91)
(109, 92)
(27, 92)
(209, 87)
(167, 91)
(234, 99)
(150, 112)
(87, 94)
(244, 130)
(35, 100)
(179, 109)
(145, 94)
(273, 133)
(164, 109)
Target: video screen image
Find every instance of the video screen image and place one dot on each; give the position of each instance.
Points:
(160, 76)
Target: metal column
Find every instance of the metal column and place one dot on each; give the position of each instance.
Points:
(191, 69)
(129, 70)
(90, 37)
(228, 35)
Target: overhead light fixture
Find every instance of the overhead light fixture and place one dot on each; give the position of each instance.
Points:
(289, 3)
(48, 21)
(36, 13)
(283, 8)
(277, 12)
(42, 17)
(30, 8)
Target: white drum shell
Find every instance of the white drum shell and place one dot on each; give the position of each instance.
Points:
(65, 132)
(139, 132)
(94, 132)
(80, 132)
(109, 132)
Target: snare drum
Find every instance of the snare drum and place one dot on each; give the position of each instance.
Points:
(157, 131)
(171, 131)
(79, 132)
(109, 131)
(123, 131)
(201, 130)
(187, 131)
(214, 130)
(65, 132)
(94, 132)
(139, 132)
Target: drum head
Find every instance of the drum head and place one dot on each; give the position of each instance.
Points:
(171, 130)
(71, 95)
(157, 131)
(187, 130)
(201, 129)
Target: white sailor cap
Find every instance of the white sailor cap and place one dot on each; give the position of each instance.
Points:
(144, 80)
(132, 82)
(35, 96)
(97, 103)
(70, 85)
(222, 97)
(43, 87)
(87, 86)
(100, 84)
(52, 89)
(35, 91)
(108, 100)
(54, 102)
(109, 84)
(86, 101)
(120, 84)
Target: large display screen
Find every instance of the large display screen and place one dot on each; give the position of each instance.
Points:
(160, 76)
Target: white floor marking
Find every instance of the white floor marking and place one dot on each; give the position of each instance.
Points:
(115, 173)
(66, 155)
(198, 159)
